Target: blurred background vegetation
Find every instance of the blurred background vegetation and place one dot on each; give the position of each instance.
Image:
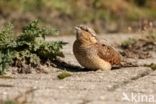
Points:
(103, 15)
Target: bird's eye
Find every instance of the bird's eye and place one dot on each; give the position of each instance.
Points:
(87, 30)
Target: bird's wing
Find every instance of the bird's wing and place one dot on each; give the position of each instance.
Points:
(108, 53)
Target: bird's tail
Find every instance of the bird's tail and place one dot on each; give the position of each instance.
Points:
(126, 63)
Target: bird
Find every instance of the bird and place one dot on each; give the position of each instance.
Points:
(92, 54)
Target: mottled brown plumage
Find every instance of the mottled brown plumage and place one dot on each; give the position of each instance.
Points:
(92, 54)
(108, 53)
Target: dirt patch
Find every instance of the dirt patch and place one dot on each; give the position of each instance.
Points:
(140, 49)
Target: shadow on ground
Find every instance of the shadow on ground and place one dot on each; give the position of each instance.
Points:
(69, 67)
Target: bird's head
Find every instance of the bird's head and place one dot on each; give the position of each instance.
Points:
(85, 34)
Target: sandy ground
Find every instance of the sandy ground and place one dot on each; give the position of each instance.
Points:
(133, 85)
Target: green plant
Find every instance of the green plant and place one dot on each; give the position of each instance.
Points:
(5, 60)
(33, 5)
(64, 75)
(29, 48)
(127, 43)
(152, 66)
(9, 102)
(6, 47)
(151, 35)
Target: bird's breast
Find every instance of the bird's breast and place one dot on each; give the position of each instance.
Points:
(85, 55)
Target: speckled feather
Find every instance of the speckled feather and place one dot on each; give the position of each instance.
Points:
(108, 53)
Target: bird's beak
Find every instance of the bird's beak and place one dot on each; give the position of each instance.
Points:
(77, 28)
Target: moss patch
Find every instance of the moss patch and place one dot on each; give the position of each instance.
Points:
(64, 74)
